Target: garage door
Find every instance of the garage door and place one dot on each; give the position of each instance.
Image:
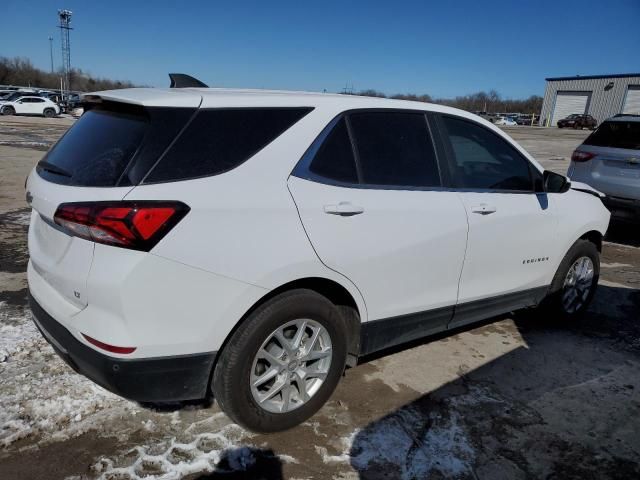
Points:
(632, 100)
(568, 103)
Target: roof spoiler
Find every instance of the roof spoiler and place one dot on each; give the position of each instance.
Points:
(181, 80)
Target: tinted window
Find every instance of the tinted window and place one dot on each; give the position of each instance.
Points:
(483, 160)
(618, 134)
(218, 140)
(334, 159)
(394, 149)
(97, 149)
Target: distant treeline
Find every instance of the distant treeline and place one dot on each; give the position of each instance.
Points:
(21, 72)
(490, 102)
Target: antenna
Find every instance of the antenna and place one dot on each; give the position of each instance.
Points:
(65, 21)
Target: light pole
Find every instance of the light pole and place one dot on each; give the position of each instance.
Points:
(51, 51)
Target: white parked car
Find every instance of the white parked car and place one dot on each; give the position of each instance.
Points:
(506, 121)
(247, 245)
(30, 105)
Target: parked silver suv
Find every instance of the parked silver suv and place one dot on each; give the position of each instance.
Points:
(609, 160)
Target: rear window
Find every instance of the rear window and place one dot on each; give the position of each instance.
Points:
(219, 140)
(618, 134)
(97, 149)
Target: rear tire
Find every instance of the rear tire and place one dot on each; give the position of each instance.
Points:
(8, 110)
(301, 382)
(49, 113)
(574, 283)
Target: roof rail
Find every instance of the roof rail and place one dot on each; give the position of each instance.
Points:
(182, 80)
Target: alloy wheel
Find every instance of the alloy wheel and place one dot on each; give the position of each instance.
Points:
(291, 365)
(577, 284)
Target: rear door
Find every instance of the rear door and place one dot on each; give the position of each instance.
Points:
(37, 106)
(370, 198)
(511, 228)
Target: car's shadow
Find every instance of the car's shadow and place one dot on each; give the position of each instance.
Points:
(560, 406)
(625, 233)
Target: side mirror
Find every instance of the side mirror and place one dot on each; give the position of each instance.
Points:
(555, 183)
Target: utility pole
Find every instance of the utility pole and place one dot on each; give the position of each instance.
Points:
(51, 51)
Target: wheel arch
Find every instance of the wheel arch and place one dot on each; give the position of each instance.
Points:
(330, 289)
(595, 237)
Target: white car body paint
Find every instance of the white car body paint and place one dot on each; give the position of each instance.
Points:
(22, 107)
(256, 228)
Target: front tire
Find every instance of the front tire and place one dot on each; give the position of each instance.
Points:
(283, 363)
(574, 283)
(8, 110)
(49, 113)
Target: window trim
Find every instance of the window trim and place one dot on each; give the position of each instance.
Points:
(302, 170)
(449, 155)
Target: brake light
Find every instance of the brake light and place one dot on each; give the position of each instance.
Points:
(107, 347)
(128, 224)
(578, 156)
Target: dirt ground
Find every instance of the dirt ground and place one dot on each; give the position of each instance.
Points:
(519, 397)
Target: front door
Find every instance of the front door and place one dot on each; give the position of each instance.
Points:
(511, 227)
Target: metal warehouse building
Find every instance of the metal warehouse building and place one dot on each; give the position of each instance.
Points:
(600, 96)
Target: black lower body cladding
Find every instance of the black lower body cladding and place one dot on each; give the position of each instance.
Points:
(153, 380)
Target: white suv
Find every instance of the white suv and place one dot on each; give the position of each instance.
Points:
(30, 105)
(247, 245)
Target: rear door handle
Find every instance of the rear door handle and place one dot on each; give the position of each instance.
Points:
(483, 209)
(344, 209)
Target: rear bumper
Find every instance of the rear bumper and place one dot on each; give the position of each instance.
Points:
(623, 208)
(160, 379)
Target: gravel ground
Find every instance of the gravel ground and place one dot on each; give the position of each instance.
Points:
(521, 397)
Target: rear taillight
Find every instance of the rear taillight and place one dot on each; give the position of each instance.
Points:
(128, 224)
(578, 156)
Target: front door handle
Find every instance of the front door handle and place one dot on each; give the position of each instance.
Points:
(483, 209)
(344, 209)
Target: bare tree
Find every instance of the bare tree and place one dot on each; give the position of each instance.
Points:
(19, 71)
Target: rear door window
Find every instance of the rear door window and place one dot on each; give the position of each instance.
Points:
(335, 160)
(394, 149)
(219, 140)
(616, 134)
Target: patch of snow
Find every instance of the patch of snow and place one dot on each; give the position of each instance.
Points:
(24, 143)
(41, 397)
(416, 444)
(178, 460)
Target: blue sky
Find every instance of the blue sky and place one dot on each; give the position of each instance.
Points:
(441, 48)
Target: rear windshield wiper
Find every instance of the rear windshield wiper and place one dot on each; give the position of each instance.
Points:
(50, 167)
